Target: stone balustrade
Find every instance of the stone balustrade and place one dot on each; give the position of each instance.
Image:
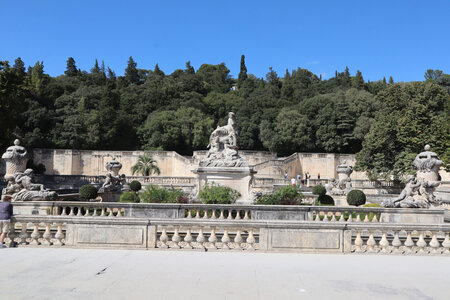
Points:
(224, 234)
(231, 212)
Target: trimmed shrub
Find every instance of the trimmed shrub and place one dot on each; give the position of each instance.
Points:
(217, 194)
(129, 197)
(319, 190)
(87, 192)
(156, 194)
(324, 200)
(288, 195)
(356, 198)
(135, 186)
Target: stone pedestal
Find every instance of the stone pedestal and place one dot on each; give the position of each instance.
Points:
(110, 196)
(238, 178)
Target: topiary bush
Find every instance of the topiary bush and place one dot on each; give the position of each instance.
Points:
(319, 190)
(217, 194)
(356, 198)
(324, 200)
(129, 197)
(135, 186)
(87, 192)
(288, 195)
(156, 194)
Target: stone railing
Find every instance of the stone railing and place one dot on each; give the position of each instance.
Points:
(230, 212)
(269, 182)
(163, 180)
(248, 235)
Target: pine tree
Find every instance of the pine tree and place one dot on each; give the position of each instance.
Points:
(111, 73)
(71, 69)
(157, 71)
(346, 78)
(358, 80)
(19, 67)
(242, 72)
(189, 69)
(391, 80)
(384, 80)
(96, 68)
(131, 72)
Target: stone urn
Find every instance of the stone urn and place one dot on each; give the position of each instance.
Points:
(114, 167)
(16, 160)
(344, 170)
(428, 165)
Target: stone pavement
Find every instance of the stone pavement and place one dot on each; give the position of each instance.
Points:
(55, 273)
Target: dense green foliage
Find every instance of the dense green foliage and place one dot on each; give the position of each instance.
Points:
(319, 190)
(356, 198)
(287, 195)
(130, 197)
(217, 194)
(156, 194)
(324, 200)
(135, 186)
(87, 192)
(148, 109)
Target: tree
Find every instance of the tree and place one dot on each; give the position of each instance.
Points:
(19, 67)
(433, 75)
(146, 166)
(131, 72)
(358, 80)
(96, 68)
(391, 80)
(242, 71)
(71, 69)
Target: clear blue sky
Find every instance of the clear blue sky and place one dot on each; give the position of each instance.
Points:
(380, 38)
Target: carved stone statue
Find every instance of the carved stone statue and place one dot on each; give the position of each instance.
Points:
(419, 190)
(114, 182)
(16, 160)
(22, 188)
(223, 150)
(342, 185)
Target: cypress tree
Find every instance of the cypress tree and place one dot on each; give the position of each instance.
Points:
(71, 69)
(131, 72)
(243, 71)
(391, 80)
(96, 68)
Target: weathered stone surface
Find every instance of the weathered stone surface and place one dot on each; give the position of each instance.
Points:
(114, 182)
(300, 239)
(108, 235)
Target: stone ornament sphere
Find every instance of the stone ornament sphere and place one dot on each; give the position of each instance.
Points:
(16, 160)
(428, 165)
(114, 167)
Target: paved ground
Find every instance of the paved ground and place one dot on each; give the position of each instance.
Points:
(34, 273)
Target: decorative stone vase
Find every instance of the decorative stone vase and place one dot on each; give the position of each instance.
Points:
(428, 164)
(344, 170)
(16, 160)
(114, 167)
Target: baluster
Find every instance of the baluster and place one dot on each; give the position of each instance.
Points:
(358, 217)
(200, 238)
(163, 238)
(225, 239)
(213, 214)
(341, 218)
(102, 212)
(375, 219)
(325, 217)
(250, 240)
(35, 234)
(350, 216)
(246, 217)
(421, 244)
(79, 212)
(176, 239)
(24, 235)
(212, 238)
(434, 243)
(111, 212)
(63, 212)
(72, 211)
(371, 243)
(317, 219)
(205, 214)
(221, 217)
(230, 212)
(119, 212)
(358, 242)
(446, 244)
(366, 218)
(238, 240)
(87, 213)
(188, 239)
(59, 236)
(409, 243)
(238, 215)
(197, 214)
(333, 217)
(189, 216)
(46, 237)
(396, 243)
(384, 243)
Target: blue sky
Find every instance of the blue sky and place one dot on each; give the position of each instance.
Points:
(380, 38)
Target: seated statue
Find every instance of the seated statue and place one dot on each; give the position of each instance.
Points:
(24, 189)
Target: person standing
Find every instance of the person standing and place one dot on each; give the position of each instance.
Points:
(6, 211)
(293, 181)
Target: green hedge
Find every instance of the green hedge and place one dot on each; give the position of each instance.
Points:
(324, 200)
(319, 190)
(356, 198)
(130, 197)
(135, 186)
(87, 192)
(156, 194)
(288, 195)
(217, 194)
